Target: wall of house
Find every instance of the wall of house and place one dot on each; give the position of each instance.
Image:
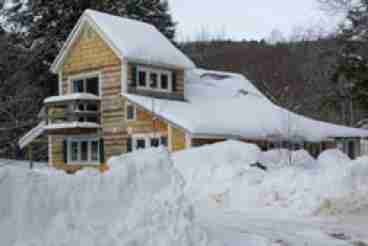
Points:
(90, 54)
(177, 139)
(145, 123)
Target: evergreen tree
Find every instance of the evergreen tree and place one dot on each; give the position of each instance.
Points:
(352, 69)
(46, 24)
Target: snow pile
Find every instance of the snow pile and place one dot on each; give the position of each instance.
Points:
(222, 175)
(210, 171)
(279, 158)
(333, 157)
(138, 202)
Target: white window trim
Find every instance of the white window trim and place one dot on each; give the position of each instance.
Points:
(126, 112)
(159, 72)
(89, 140)
(85, 76)
(147, 137)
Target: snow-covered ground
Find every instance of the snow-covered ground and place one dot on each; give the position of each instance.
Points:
(297, 201)
(203, 196)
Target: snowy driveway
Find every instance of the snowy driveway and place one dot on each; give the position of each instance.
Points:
(241, 229)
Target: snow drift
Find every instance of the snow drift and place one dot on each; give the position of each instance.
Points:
(138, 202)
(221, 175)
(210, 171)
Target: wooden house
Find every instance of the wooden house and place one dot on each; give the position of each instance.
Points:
(123, 86)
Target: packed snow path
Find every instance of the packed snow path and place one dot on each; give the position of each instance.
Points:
(239, 229)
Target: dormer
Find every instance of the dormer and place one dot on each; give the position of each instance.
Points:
(150, 64)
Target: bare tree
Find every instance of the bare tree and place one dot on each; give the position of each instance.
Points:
(334, 7)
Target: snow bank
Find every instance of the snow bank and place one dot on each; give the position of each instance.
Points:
(278, 158)
(333, 157)
(138, 202)
(210, 171)
(219, 175)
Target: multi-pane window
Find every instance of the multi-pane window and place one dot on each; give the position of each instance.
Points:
(154, 79)
(86, 85)
(83, 151)
(143, 141)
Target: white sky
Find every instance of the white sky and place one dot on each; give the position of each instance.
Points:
(246, 19)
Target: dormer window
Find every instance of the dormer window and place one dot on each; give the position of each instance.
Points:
(154, 79)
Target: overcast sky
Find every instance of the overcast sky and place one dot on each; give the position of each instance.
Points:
(246, 19)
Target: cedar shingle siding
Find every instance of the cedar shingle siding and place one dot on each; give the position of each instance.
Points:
(90, 54)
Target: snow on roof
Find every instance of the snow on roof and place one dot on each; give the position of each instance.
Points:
(203, 84)
(72, 97)
(32, 135)
(71, 125)
(134, 40)
(235, 108)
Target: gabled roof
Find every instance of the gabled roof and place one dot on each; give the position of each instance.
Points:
(229, 106)
(130, 39)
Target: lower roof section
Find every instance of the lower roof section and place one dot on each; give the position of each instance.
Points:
(243, 116)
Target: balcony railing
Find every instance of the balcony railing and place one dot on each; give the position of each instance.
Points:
(70, 111)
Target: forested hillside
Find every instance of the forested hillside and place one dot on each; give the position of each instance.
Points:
(295, 74)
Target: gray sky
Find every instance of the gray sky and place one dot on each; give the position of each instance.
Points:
(246, 19)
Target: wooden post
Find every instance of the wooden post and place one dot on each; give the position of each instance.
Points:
(30, 156)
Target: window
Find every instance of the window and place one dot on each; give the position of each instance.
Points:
(164, 81)
(89, 84)
(142, 79)
(94, 151)
(155, 142)
(154, 79)
(83, 151)
(92, 86)
(78, 86)
(74, 151)
(130, 111)
(142, 141)
(164, 141)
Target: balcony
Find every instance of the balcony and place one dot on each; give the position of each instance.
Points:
(72, 114)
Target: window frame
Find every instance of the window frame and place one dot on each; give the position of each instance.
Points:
(78, 141)
(128, 104)
(147, 138)
(159, 72)
(84, 77)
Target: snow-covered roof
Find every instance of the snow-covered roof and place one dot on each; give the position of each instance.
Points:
(72, 97)
(72, 125)
(32, 135)
(226, 107)
(130, 39)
